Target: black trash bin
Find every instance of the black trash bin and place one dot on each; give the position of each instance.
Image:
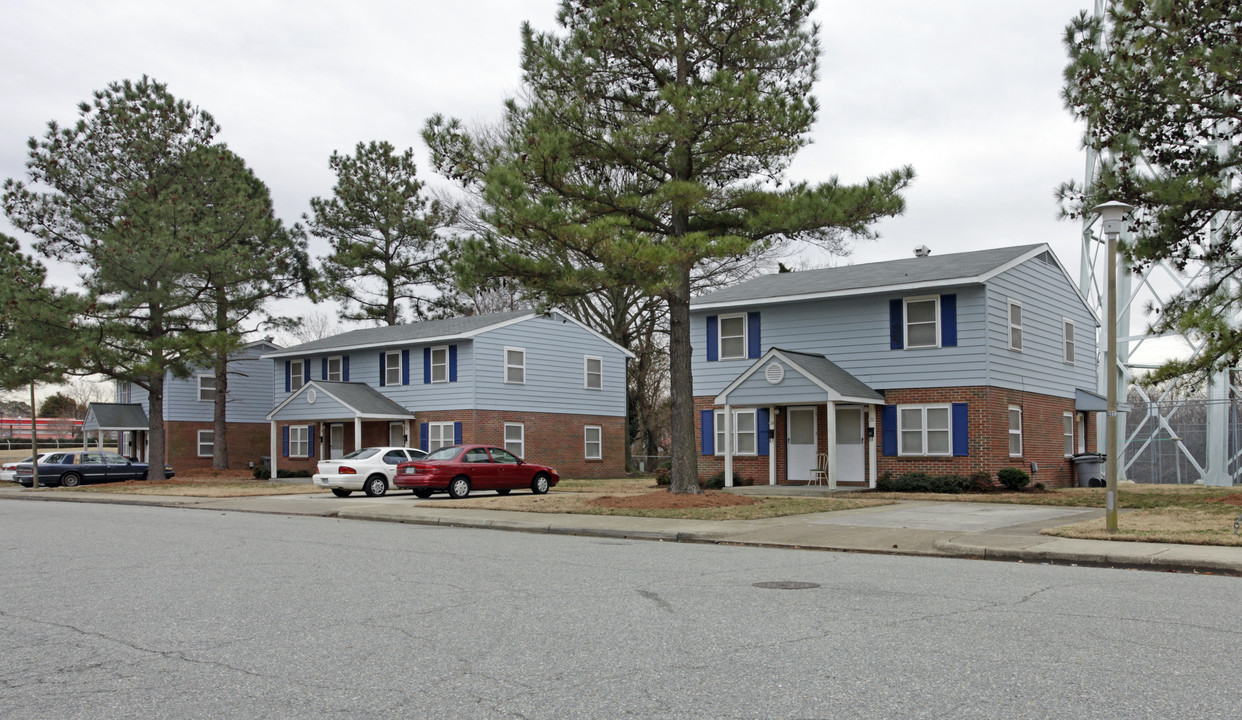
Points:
(1090, 467)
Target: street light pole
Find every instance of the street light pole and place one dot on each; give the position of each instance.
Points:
(1112, 214)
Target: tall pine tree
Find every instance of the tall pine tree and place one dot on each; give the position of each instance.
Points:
(652, 137)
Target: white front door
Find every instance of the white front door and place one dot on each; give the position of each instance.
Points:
(336, 441)
(850, 443)
(396, 434)
(801, 444)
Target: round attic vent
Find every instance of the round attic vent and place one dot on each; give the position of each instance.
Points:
(774, 373)
(311, 397)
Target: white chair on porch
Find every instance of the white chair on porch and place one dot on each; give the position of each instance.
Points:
(819, 473)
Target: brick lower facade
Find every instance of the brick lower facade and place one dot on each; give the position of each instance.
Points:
(247, 443)
(550, 439)
(1043, 439)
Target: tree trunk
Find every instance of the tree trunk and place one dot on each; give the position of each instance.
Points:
(156, 457)
(685, 472)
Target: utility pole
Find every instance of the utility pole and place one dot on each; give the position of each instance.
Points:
(1112, 214)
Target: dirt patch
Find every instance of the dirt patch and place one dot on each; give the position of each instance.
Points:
(1235, 500)
(664, 500)
(200, 474)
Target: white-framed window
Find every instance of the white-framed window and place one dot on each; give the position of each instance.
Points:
(732, 337)
(206, 443)
(206, 388)
(1014, 312)
(924, 430)
(922, 324)
(515, 438)
(297, 375)
(334, 369)
(299, 441)
(1067, 340)
(392, 368)
(745, 434)
(515, 366)
(593, 442)
(439, 434)
(1067, 421)
(1015, 431)
(593, 372)
(440, 364)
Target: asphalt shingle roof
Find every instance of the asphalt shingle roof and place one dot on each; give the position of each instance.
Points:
(954, 267)
(401, 334)
(115, 416)
(832, 375)
(364, 399)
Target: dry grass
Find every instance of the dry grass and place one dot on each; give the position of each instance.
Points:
(201, 483)
(1189, 526)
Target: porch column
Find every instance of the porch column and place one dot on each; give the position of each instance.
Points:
(274, 449)
(830, 429)
(728, 448)
(871, 443)
(357, 433)
(405, 428)
(771, 446)
(322, 428)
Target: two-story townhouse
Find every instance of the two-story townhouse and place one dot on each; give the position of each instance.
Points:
(189, 409)
(544, 386)
(950, 364)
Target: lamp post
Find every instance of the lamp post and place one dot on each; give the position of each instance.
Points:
(1112, 214)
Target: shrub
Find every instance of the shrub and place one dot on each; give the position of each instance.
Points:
(980, 482)
(1013, 478)
(664, 473)
(922, 482)
(262, 472)
(717, 481)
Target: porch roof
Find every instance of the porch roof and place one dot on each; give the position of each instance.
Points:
(817, 372)
(115, 416)
(328, 399)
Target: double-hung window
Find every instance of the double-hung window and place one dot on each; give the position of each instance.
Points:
(515, 438)
(593, 441)
(392, 368)
(1015, 431)
(1067, 340)
(1015, 325)
(440, 364)
(299, 441)
(732, 336)
(334, 369)
(439, 434)
(922, 322)
(206, 388)
(593, 370)
(1067, 421)
(297, 375)
(745, 433)
(924, 430)
(515, 366)
(206, 443)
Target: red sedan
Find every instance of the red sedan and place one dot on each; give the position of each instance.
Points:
(458, 469)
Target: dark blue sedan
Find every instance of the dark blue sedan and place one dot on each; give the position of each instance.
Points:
(70, 469)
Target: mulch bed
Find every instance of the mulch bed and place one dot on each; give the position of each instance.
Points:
(665, 500)
(1230, 500)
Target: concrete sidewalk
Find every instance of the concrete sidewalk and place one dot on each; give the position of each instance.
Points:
(940, 529)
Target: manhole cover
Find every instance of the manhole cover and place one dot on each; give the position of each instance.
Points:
(786, 585)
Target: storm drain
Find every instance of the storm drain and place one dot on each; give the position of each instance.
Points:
(786, 585)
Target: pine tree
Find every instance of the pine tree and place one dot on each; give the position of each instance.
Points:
(650, 139)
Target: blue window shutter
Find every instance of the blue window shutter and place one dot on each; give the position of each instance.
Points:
(310, 440)
(323, 366)
(426, 365)
(961, 430)
(423, 442)
(288, 377)
(305, 370)
(345, 368)
(713, 338)
(383, 368)
(948, 320)
(457, 433)
(761, 419)
(754, 347)
(405, 366)
(708, 433)
(888, 429)
(896, 334)
(284, 441)
(452, 363)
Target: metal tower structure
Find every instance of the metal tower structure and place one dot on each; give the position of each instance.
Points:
(1220, 462)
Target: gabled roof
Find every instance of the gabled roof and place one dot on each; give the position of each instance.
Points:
(115, 416)
(839, 384)
(892, 275)
(361, 399)
(458, 328)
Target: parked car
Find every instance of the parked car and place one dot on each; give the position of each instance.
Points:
(369, 470)
(70, 469)
(8, 471)
(458, 469)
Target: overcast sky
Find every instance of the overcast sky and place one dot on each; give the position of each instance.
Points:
(966, 91)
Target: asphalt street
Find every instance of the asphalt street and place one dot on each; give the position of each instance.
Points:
(113, 611)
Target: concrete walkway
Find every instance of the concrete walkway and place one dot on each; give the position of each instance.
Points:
(942, 529)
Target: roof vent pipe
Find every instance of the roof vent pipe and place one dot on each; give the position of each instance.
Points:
(922, 251)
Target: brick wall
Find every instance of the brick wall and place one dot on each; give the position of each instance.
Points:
(248, 442)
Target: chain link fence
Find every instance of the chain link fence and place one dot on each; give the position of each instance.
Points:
(1168, 440)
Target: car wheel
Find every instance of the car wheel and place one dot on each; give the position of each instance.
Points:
(71, 480)
(375, 486)
(502, 491)
(539, 485)
(341, 492)
(424, 494)
(459, 488)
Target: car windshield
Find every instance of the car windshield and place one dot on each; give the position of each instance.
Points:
(360, 454)
(444, 453)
